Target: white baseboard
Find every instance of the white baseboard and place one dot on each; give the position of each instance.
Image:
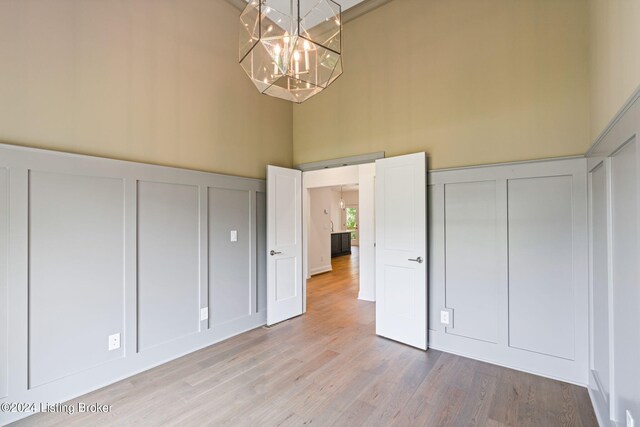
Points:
(319, 270)
(599, 401)
(596, 408)
(365, 297)
(470, 355)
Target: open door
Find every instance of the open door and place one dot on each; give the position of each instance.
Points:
(401, 249)
(284, 244)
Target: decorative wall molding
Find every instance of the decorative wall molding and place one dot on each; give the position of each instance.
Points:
(614, 229)
(120, 230)
(492, 216)
(594, 149)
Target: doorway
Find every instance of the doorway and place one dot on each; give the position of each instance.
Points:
(332, 227)
(396, 262)
(331, 197)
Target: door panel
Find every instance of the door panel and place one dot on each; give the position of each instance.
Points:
(284, 244)
(285, 279)
(401, 249)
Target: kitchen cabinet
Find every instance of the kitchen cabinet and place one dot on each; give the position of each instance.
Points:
(340, 243)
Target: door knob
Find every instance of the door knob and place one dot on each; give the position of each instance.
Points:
(274, 252)
(418, 260)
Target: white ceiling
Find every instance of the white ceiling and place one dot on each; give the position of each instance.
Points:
(346, 4)
(349, 11)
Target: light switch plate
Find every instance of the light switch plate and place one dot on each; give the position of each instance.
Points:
(114, 342)
(446, 317)
(234, 235)
(630, 421)
(204, 313)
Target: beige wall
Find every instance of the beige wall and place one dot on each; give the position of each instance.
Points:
(147, 80)
(468, 81)
(615, 58)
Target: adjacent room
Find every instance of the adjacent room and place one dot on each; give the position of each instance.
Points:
(320, 212)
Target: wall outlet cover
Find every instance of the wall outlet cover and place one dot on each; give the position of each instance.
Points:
(446, 317)
(114, 342)
(204, 313)
(234, 235)
(630, 421)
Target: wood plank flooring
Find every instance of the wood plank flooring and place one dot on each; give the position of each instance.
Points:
(328, 368)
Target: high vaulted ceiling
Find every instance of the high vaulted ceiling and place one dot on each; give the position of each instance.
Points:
(351, 9)
(345, 4)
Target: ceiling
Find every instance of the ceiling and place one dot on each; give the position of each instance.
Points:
(346, 4)
(351, 9)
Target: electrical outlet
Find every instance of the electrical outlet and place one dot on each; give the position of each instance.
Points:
(446, 317)
(234, 235)
(114, 342)
(204, 313)
(630, 422)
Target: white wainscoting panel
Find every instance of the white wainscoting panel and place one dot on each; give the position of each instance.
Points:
(508, 252)
(614, 192)
(98, 247)
(76, 272)
(4, 278)
(625, 259)
(436, 249)
(473, 259)
(541, 288)
(261, 251)
(231, 290)
(168, 262)
(600, 277)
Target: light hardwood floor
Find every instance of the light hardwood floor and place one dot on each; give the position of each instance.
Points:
(328, 368)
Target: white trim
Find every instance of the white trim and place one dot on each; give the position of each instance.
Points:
(341, 162)
(505, 365)
(320, 270)
(623, 128)
(517, 162)
(149, 168)
(365, 298)
(595, 396)
(614, 121)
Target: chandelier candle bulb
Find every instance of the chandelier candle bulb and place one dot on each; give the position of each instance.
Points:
(296, 58)
(306, 54)
(277, 50)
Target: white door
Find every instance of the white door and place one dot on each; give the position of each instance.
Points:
(401, 249)
(284, 244)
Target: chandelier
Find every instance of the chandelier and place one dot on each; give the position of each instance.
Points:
(291, 49)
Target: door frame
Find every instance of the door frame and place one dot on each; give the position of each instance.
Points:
(279, 310)
(343, 175)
